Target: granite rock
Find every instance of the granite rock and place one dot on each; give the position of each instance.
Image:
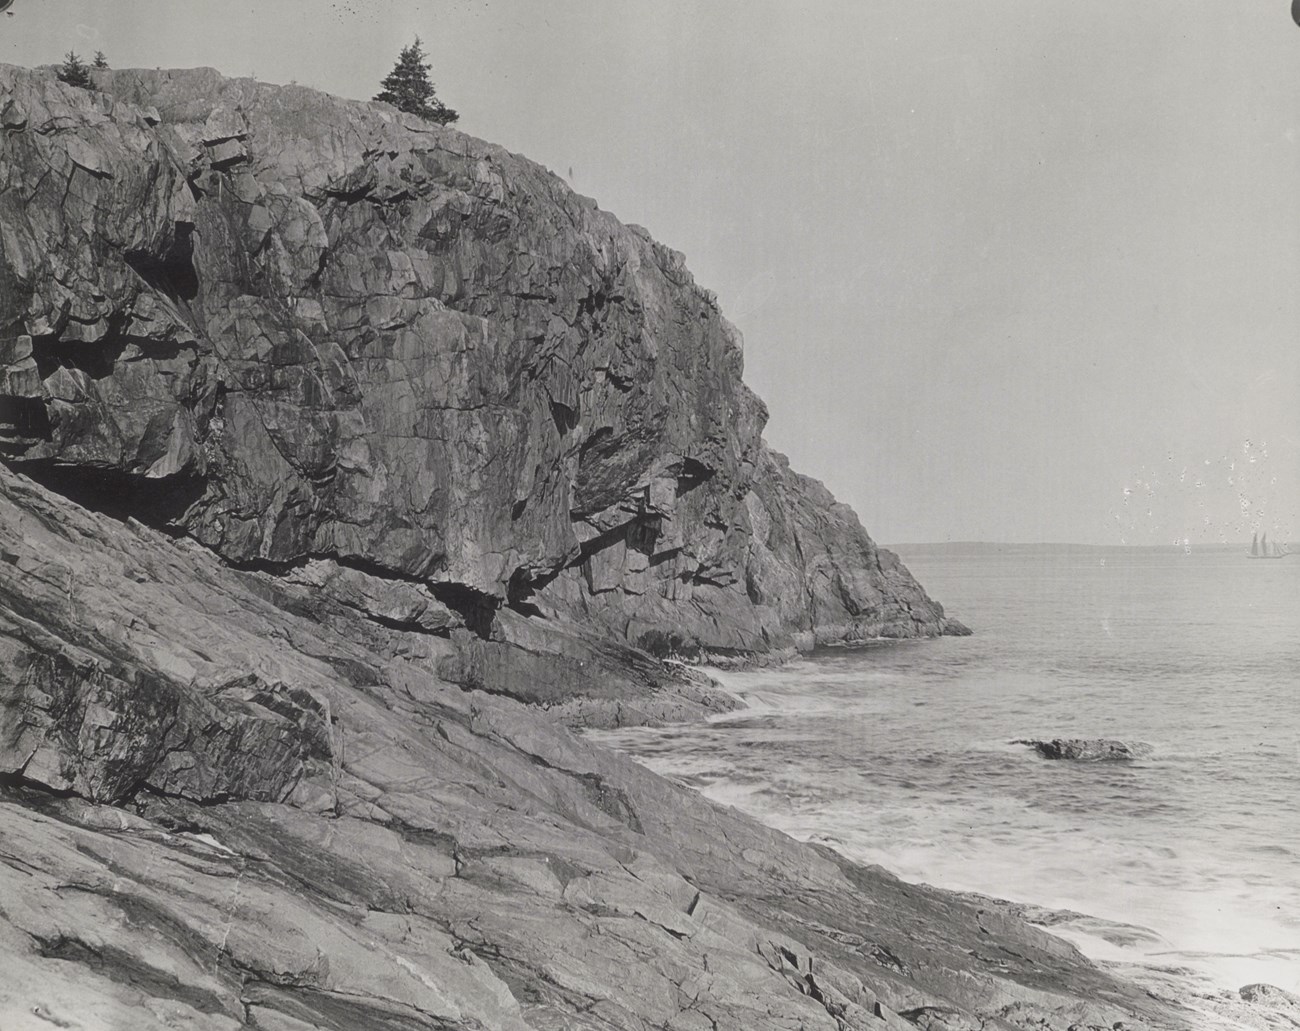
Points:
(228, 801)
(315, 334)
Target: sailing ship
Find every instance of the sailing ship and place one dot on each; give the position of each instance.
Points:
(1259, 548)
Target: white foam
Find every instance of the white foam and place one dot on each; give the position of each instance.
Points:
(901, 756)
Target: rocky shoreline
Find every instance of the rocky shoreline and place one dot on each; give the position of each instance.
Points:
(235, 804)
(347, 463)
(1260, 1007)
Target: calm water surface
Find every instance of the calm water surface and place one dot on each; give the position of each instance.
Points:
(899, 753)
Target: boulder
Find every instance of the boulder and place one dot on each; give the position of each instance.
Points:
(1270, 996)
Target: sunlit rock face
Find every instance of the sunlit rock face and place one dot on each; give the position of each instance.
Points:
(298, 328)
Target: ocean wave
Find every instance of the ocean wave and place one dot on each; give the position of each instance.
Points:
(900, 756)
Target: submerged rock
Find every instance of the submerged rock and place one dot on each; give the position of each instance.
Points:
(1095, 749)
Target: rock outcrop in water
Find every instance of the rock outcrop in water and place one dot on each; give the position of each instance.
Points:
(347, 428)
(1093, 749)
(1271, 996)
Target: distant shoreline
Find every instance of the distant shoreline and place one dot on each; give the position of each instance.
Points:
(1004, 546)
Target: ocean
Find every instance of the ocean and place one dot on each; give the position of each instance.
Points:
(899, 753)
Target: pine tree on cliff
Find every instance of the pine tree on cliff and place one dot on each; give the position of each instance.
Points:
(74, 72)
(407, 87)
(100, 60)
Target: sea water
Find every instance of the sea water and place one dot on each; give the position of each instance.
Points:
(899, 753)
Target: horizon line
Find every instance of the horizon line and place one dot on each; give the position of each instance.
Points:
(1063, 544)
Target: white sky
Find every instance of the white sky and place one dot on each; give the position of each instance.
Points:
(996, 262)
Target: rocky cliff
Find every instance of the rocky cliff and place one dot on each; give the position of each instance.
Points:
(324, 431)
(302, 330)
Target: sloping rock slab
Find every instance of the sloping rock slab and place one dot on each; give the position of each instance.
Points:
(432, 857)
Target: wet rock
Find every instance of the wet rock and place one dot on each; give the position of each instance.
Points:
(1112, 931)
(1089, 749)
(1270, 996)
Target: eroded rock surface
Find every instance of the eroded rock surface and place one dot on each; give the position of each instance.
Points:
(229, 801)
(303, 330)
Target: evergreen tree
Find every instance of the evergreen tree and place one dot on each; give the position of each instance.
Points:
(100, 60)
(407, 87)
(74, 72)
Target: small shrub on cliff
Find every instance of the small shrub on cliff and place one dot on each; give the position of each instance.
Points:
(74, 72)
(408, 88)
(100, 60)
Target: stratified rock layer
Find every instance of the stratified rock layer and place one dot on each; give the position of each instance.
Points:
(229, 801)
(302, 330)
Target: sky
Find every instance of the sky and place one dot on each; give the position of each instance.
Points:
(1008, 270)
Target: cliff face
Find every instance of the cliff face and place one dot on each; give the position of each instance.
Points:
(305, 330)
